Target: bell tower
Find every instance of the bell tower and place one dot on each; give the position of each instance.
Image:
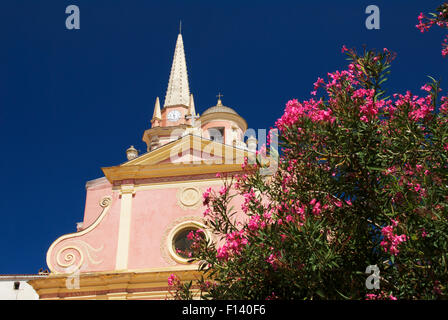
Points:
(178, 110)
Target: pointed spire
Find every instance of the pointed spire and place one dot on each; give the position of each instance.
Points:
(157, 115)
(178, 91)
(192, 110)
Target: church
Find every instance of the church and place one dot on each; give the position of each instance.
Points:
(137, 216)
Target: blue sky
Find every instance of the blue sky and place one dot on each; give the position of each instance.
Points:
(72, 101)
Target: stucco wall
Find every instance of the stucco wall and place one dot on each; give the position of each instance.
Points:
(25, 291)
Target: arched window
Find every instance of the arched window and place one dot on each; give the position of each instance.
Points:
(217, 134)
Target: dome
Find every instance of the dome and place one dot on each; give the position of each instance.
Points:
(219, 108)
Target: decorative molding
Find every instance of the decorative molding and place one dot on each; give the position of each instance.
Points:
(69, 258)
(175, 179)
(189, 198)
(97, 182)
(79, 246)
(127, 189)
(151, 284)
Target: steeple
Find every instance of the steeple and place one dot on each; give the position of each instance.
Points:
(191, 110)
(178, 91)
(157, 116)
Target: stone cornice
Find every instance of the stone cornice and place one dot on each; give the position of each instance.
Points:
(103, 284)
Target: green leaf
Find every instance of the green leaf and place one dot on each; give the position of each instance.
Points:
(320, 293)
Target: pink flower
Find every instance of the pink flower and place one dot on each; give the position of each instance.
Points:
(206, 196)
(249, 197)
(235, 242)
(390, 170)
(318, 83)
(223, 190)
(272, 296)
(244, 164)
(172, 279)
(391, 241)
(273, 260)
(207, 212)
(424, 234)
(380, 296)
(222, 253)
(317, 208)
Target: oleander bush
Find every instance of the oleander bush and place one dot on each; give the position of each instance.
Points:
(362, 180)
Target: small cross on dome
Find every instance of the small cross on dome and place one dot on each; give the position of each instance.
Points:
(219, 95)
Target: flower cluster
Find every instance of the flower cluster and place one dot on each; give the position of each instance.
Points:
(296, 112)
(391, 241)
(419, 108)
(380, 296)
(206, 196)
(440, 19)
(234, 244)
(179, 290)
(172, 279)
(273, 260)
(350, 160)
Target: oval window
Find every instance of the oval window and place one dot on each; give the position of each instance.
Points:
(181, 243)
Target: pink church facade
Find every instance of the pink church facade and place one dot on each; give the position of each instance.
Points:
(137, 215)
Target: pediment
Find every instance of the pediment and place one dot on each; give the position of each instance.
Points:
(197, 148)
(188, 155)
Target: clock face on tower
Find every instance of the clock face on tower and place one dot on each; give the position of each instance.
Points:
(174, 115)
